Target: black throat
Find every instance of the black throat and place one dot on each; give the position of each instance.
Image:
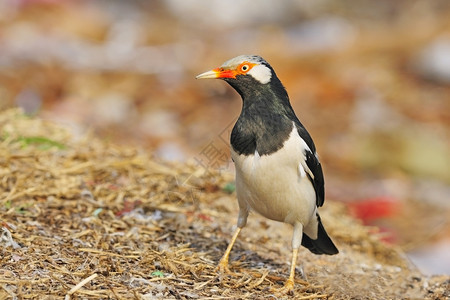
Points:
(266, 119)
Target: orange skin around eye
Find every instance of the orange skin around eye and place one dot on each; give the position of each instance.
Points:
(229, 73)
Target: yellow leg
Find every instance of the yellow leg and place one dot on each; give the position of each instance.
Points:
(289, 285)
(223, 264)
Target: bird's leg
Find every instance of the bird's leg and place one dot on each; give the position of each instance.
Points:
(296, 242)
(223, 264)
(242, 221)
(289, 284)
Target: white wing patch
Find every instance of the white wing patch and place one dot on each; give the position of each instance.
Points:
(304, 144)
(303, 164)
(261, 73)
(301, 170)
(305, 167)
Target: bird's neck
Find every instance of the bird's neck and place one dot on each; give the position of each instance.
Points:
(265, 121)
(270, 98)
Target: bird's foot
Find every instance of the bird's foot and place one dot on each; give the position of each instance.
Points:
(287, 289)
(223, 268)
(289, 285)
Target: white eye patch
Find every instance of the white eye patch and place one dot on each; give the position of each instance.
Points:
(261, 73)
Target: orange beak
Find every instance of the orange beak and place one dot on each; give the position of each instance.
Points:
(217, 73)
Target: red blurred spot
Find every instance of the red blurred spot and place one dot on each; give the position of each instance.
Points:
(204, 217)
(128, 206)
(371, 209)
(191, 216)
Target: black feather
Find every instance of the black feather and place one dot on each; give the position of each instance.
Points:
(323, 244)
(314, 165)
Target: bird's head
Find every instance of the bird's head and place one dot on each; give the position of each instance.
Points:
(252, 77)
(242, 68)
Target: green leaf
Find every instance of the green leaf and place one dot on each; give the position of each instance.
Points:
(41, 142)
(229, 188)
(158, 274)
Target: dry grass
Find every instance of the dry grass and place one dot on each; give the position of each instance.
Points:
(82, 218)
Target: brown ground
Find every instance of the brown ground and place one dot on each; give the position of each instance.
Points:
(138, 228)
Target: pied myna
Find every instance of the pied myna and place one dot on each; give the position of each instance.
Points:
(278, 172)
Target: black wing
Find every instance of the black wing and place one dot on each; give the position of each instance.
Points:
(313, 164)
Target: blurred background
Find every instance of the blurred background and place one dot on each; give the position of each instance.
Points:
(369, 79)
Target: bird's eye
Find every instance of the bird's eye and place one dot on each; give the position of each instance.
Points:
(245, 68)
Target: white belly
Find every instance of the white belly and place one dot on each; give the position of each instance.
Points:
(276, 185)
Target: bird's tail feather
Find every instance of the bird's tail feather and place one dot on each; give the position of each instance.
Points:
(323, 244)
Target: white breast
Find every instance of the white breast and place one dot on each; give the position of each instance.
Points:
(276, 185)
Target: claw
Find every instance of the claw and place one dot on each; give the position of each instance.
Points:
(287, 289)
(222, 267)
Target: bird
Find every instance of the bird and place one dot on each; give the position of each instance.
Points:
(278, 171)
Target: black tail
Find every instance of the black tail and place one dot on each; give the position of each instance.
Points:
(322, 245)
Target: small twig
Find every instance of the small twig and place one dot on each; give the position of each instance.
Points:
(279, 278)
(203, 284)
(112, 290)
(264, 275)
(315, 296)
(59, 279)
(106, 253)
(80, 285)
(77, 168)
